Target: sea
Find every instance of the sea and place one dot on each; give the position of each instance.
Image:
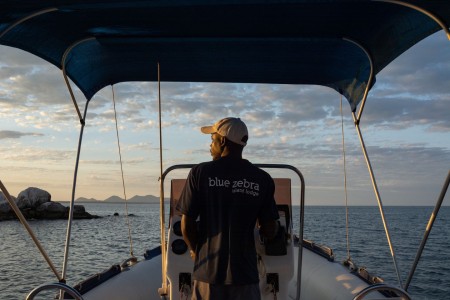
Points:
(97, 244)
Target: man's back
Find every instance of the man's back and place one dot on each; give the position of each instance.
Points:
(229, 195)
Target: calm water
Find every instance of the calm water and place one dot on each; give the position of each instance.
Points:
(97, 244)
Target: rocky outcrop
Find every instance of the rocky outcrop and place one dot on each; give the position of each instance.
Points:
(35, 203)
(32, 197)
(4, 205)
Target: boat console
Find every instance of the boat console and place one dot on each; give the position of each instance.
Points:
(275, 257)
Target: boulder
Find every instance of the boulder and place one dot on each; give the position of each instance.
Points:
(79, 212)
(51, 210)
(32, 197)
(4, 205)
(23, 203)
(79, 209)
(35, 203)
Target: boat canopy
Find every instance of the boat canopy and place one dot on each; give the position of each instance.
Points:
(320, 42)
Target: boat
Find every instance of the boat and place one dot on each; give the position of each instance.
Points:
(340, 44)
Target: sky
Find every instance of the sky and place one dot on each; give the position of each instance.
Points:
(405, 125)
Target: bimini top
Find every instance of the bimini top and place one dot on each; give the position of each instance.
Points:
(323, 42)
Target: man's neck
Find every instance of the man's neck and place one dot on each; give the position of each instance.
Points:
(231, 154)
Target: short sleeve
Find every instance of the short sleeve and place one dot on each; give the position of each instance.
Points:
(269, 209)
(188, 203)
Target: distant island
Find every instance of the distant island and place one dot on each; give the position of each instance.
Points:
(36, 203)
(116, 199)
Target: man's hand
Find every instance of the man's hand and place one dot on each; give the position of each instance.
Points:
(189, 231)
(192, 253)
(269, 229)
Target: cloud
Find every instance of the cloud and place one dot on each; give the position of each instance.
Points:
(406, 112)
(405, 124)
(413, 90)
(9, 134)
(29, 84)
(134, 161)
(420, 71)
(35, 155)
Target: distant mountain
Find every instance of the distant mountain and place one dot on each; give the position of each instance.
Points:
(82, 199)
(113, 199)
(117, 199)
(144, 199)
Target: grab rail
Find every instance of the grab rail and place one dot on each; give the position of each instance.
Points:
(382, 287)
(57, 285)
(302, 206)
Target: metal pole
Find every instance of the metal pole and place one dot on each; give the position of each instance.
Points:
(66, 79)
(377, 194)
(428, 229)
(82, 122)
(423, 11)
(356, 120)
(28, 229)
(72, 200)
(35, 14)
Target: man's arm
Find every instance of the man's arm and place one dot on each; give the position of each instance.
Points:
(189, 231)
(269, 229)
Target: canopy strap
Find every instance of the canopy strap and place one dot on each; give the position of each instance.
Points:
(28, 229)
(121, 170)
(345, 182)
(421, 10)
(163, 290)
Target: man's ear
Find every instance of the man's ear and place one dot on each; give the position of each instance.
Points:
(223, 141)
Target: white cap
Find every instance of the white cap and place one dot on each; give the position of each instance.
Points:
(232, 128)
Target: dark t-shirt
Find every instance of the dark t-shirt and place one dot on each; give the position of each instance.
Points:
(229, 195)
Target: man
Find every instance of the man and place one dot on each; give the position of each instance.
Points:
(228, 194)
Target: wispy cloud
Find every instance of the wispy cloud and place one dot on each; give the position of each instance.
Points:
(10, 134)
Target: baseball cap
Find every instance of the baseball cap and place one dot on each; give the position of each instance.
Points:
(232, 128)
